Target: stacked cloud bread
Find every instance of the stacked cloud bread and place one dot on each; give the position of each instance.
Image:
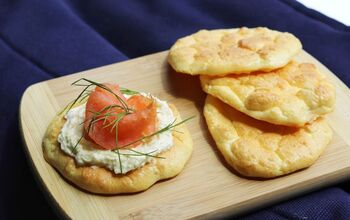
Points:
(265, 111)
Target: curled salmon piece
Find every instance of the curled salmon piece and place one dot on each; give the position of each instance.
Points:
(110, 125)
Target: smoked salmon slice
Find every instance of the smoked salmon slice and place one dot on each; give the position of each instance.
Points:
(112, 121)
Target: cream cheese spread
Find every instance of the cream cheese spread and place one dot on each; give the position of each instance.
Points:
(86, 154)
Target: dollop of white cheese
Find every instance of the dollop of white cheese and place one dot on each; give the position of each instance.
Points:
(85, 153)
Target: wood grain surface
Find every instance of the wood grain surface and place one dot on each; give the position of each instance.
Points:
(207, 187)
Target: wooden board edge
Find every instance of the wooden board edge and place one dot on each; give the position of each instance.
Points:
(53, 203)
(271, 199)
(106, 66)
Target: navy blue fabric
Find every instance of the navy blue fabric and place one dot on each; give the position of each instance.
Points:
(40, 40)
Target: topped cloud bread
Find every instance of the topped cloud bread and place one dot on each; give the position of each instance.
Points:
(114, 140)
(259, 149)
(233, 51)
(293, 95)
(99, 179)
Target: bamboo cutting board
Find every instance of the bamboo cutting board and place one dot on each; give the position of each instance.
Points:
(207, 187)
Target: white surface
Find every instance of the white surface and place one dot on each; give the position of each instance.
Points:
(336, 9)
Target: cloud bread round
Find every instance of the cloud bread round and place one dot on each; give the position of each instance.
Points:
(293, 95)
(239, 50)
(100, 180)
(259, 149)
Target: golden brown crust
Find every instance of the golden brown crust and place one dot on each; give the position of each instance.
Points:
(293, 95)
(101, 180)
(239, 50)
(259, 149)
